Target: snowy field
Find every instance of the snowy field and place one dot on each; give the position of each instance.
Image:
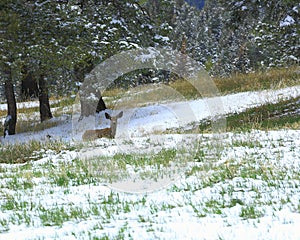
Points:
(150, 185)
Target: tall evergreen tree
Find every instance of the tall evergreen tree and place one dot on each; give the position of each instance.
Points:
(10, 49)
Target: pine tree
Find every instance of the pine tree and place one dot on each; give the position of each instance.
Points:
(9, 52)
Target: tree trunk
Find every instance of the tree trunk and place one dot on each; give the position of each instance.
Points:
(89, 100)
(45, 111)
(11, 102)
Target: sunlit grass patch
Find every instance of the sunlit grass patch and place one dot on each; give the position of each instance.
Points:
(66, 174)
(35, 126)
(185, 88)
(275, 78)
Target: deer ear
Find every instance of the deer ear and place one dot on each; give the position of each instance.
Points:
(107, 116)
(120, 115)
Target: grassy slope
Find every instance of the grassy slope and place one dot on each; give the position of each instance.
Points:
(284, 114)
(249, 183)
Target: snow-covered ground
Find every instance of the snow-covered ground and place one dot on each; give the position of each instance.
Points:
(143, 121)
(246, 187)
(30, 104)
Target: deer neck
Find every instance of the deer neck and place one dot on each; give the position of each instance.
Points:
(113, 129)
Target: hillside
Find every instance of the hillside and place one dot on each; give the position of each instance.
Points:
(149, 181)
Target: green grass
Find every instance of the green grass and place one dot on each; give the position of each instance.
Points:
(251, 212)
(244, 186)
(56, 216)
(73, 173)
(161, 159)
(31, 151)
(282, 115)
(165, 163)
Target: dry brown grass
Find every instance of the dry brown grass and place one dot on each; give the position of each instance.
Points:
(30, 126)
(113, 93)
(185, 88)
(271, 79)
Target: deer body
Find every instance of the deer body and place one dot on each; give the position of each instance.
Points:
(110, 132)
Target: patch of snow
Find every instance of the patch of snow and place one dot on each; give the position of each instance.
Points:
(295, 9)
(287, 21)
(74, 7)
(31, 104)
(162, 38)
(116, 21)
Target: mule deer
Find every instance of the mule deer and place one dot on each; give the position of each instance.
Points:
(110, 132)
